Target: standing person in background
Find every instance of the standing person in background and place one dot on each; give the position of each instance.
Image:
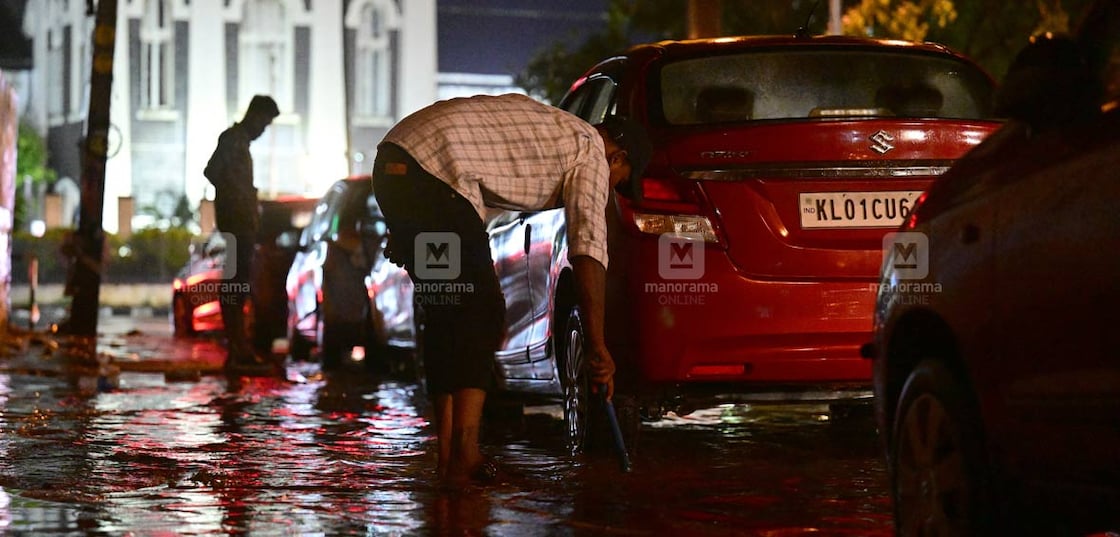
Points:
(237, 213)
(436, 174)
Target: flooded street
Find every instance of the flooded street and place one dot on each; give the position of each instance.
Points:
(354, 455)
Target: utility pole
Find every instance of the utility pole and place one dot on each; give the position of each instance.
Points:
(88, 245)
(705, 18)
(835, 26)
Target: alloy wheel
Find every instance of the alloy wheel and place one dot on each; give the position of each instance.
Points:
(574, 384)
(931, 478)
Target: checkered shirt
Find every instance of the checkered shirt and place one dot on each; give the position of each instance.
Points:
(512, 152)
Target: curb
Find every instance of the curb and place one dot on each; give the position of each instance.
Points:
(22, 315)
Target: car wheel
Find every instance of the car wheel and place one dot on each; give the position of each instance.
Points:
(380, 358)
(336, 339)
(574, 382)
(937, 475)
(298, 346)
(182, 316)
(248, 313)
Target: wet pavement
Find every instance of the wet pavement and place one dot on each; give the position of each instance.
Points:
(170, 447)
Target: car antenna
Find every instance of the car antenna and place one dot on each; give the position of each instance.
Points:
(803, 31)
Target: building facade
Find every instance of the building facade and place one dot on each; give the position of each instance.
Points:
(342, 72)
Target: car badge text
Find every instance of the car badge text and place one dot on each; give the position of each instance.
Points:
(724, 154)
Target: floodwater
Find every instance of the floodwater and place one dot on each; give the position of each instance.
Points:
(354, 455)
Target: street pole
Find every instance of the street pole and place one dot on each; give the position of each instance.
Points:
(705, 18)
(835, 20)
(87, 248)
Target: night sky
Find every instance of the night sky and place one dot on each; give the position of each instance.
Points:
(475, 36)
(500, 36)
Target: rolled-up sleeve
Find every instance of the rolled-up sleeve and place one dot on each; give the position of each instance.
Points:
(586, 191)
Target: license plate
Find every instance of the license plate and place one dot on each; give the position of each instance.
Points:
(855, 209)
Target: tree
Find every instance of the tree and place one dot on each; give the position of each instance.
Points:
(553, 69)
(31, 166)
(991, 32)
(898, 19)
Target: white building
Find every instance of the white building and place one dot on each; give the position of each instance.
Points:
(342, 71)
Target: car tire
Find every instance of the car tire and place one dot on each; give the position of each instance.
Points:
(574, 382)
(938, 482)
(298, 347)
(182, 314)
(380, 358)
(336, 338)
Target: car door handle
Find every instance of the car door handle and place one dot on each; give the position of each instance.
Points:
(970, 234)
(528, 238)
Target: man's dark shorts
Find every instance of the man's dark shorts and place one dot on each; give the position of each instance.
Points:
(458, 296)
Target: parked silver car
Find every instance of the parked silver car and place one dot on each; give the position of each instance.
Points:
(344, 297)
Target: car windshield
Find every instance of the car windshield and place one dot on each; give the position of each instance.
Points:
(821, 84)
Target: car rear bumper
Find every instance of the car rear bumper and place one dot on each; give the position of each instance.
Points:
(732, 329)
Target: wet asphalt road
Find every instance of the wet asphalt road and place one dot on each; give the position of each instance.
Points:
(353, 455)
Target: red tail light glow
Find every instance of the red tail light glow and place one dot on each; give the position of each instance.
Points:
(675, 207)
(912, 218)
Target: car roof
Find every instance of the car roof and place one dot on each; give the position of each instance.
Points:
(692, 47)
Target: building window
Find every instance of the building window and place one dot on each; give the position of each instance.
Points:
(82, 65)
(56, 66)
(265, 64)
(372, 62)
(157, 57)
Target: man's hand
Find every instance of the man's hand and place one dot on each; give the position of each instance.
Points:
(601, 368)
(590, 292)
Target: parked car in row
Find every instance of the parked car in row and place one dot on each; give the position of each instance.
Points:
(743, 262)
(194, 300)
(342, 293)
(996, 370)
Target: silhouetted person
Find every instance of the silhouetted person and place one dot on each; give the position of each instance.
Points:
(236, 212)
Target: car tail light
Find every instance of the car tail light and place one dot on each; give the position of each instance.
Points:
(912, 219)
(673, 207)
(659, 224)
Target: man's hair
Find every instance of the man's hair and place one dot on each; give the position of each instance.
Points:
(630, 136)
(264, 106)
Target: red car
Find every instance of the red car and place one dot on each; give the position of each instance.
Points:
(743, 263)
(194, 299)
(996, 370)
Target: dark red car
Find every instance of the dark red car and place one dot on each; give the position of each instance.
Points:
(743, 263)
(996, 369)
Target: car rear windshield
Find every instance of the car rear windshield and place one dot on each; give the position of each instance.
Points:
(821, 84)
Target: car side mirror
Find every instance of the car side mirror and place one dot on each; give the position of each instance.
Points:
(1048, 84)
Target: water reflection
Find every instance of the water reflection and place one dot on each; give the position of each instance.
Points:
(353, 454)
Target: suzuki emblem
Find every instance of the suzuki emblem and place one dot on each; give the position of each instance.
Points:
(881, 142)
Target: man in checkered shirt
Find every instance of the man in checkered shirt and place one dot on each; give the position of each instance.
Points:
(439, 171)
